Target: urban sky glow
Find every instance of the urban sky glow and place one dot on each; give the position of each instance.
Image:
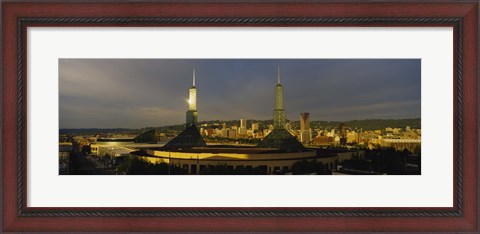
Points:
(136, 93)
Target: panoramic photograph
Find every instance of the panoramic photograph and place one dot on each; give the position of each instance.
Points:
(239, 116)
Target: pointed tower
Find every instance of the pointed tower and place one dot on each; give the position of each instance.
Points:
(190, 136)
(192, 113)
(278, 112)
(280, 138)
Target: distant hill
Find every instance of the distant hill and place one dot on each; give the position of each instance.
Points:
(373, 124)
(367, 124)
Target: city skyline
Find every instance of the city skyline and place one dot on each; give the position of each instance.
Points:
(135, 93)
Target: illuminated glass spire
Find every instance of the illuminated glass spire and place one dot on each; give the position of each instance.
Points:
(192, 113)
(192, 100)
(279, 112)
(280, 138)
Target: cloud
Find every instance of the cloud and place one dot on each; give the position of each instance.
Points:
(135, 93)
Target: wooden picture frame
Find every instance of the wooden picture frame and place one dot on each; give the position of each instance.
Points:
(17, 16)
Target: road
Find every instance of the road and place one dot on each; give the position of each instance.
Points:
(87, 165)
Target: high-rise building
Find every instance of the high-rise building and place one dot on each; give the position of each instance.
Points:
(255, 130)
(305, 131)
(243, 123)
(192, 113)
(343, 134)
(232, 134)
(254, 126)
(279, 112)
(305, 136)
(224, 132)
(304, 121)
(242, 130)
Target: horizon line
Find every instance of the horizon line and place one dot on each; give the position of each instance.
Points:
(229, 121)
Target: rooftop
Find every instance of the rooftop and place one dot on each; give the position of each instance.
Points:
(280, 138)
(190, 137)
(227, 149)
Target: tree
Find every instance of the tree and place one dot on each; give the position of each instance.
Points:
(308, 167)
(418, 149)
(139, 166)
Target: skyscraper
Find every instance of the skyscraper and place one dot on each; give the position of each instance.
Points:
(304, 121)
(305, 131)
(243, 123)
(192, 113)
(278, 112)
(254, 126)
(242, 130)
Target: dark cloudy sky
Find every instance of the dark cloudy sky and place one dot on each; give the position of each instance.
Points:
(135, 93)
